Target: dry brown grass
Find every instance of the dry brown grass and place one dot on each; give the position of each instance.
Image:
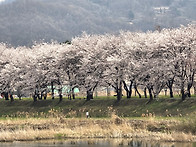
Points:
(114, 127)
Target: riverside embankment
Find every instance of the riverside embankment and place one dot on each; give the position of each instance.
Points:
(162, 119)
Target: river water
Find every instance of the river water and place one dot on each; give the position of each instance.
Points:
(97, 143)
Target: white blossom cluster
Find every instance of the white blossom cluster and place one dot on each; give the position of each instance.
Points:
(151, 61)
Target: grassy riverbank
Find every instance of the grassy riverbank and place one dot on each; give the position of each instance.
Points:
(99, 108)
(61, 128)
(163, 119)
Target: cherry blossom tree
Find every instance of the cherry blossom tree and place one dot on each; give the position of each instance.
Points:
(180, 45)
(4, 70)
(92, 62)
(70, 62)
(151, 60)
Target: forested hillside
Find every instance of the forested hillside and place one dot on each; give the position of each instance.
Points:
(25, 21)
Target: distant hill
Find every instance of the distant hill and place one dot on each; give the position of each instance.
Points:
(6, 1)
(25, 21)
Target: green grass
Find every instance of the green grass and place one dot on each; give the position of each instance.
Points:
(100, 107)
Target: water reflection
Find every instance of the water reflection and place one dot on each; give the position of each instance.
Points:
(96, 143)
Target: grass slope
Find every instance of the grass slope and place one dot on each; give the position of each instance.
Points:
(24, 120)
(100, 107)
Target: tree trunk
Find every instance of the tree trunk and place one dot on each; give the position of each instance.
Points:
(171, 92)
(35, 96)
(150, 93)
(45, 95)
(108, 92)
(119, 92)
(183, 91)
(52, 88)
(6, 95)
(136, 90)
(89, 95)
(60, 95)
(42, 94)
(145, 93)
(69, 96)
(189, 93)
(19, 93)
(183, 94)
(11, 98)
(189, 86)
(170, 86)
(128, 91)
(73, 94)
(165, 92)
(38, 95)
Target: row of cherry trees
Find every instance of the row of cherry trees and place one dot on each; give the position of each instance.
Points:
(150, 61)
